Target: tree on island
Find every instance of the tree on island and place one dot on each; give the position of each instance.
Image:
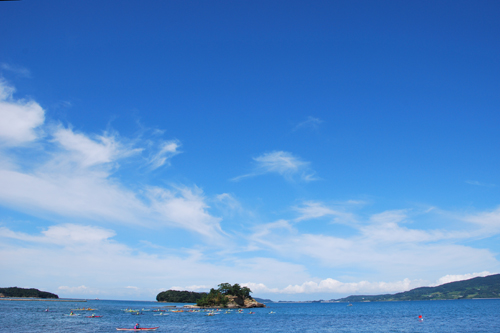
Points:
(218, 297)
(175, 296)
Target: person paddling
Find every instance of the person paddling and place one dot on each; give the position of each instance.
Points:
(137, 326)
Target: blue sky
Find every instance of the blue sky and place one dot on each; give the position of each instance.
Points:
(307, 150)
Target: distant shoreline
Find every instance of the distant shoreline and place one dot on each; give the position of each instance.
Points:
(29, 299)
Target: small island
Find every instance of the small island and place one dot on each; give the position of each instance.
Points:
(23, 292)
(225, 296)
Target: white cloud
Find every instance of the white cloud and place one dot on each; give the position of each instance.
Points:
(228, 204)
(489, 221)
(167, 150)
(186, 209)
(20, 118)
(378, 245)
(72, 176)
(460, 277)
(332, 286)
(93, 196)
(192, 288)
(64, 234)
(88, 152)
(389, 217)
(282, 163)
(80, 290)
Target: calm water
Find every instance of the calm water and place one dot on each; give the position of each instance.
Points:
(439, 317)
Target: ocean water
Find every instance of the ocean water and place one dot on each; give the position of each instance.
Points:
(438, 316)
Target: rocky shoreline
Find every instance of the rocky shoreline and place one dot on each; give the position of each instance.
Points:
(234, 303)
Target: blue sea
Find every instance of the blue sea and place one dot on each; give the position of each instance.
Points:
(438, 316)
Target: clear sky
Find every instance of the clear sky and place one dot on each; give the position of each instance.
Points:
(306, 149)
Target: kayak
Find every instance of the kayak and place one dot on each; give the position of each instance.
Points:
(138, 329)
(93, 316)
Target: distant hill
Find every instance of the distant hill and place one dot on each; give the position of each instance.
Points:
(23, 292)
(479, 287)
(263, 300)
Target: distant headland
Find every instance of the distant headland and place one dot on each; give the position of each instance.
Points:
(23, 292)
(225, 296)
(479, 287)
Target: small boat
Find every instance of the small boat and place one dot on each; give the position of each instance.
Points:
(93, 316)
(138, 329)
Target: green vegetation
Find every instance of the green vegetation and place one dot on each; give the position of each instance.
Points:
(175, 296)
(23, 292)
(218, 297)
(480, 287)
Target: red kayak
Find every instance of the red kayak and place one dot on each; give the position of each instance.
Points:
(138, 329)
(93, 316)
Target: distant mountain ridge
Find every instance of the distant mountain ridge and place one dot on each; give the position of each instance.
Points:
(479, 287)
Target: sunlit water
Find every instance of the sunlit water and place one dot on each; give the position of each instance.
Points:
(438, 317)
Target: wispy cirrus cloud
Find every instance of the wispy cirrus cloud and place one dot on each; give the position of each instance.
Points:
(19, 70)
(310, 122)
(167, 150)
(313, 210)
(476, 183)
(283, 163)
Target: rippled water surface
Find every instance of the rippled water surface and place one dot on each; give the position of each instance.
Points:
(438, 317)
